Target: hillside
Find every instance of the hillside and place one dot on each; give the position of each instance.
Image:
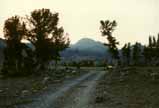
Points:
(86, 49)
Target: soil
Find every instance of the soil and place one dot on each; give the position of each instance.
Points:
(16, 91)
(126, 87)
(76, 93)
(131, 87)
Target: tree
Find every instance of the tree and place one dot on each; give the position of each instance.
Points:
(147, 54)
(59, 43)
(46, 36)
(151, 46)
(157, 48)
(157, 40)
(106, 28)
(150, 41)
(42, 22)
(151, 52)
(136, 53)
(14, 32)
(154, 42)
(126, 52)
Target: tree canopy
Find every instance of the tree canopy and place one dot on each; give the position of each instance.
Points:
(107, 27)
(41, 29)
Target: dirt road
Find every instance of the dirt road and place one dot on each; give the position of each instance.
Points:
(74, 94)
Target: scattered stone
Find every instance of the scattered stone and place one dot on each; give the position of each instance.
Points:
(25, 92)
(1, 76)
(154, 76)
(68, 70)
(45, 80)
(35, 90)
(45, 88)
(118, 103)
(1, 91)
(121, 79)
(73, 71)
(99, 99)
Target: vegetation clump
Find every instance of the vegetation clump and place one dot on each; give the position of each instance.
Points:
(46, 41)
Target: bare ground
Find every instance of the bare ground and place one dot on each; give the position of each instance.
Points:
(74, 94)
(132, 87)
(81, 96)
(15, 91)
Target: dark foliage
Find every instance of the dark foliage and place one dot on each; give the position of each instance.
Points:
(136, 53)
(45, 35)
(107, 27)
(151, 51)
(60, 42)
(14, 64)
(42, 31)
(126, 53)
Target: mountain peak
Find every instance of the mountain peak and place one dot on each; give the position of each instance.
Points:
(86, 48)
(88, 44)
(85, 41)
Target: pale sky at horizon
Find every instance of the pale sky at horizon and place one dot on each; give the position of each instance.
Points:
(136, 19)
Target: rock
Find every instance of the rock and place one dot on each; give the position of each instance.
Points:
(45, 80)
(45, 88)
(154, 76)
(35, 91)
(1, 91)
(121, 79)
(24, 53)
(105, 92)
(67, 71)
(1, 76)
(73, 71)
(25, 92)
(99, 99)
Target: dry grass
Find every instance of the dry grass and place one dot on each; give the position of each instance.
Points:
(15, 91)
(133, 87)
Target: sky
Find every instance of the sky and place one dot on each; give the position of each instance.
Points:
(137, 19)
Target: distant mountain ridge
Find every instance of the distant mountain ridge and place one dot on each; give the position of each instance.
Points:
(86, 49)
(86, 43)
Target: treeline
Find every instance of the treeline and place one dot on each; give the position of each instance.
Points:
(136, 54)
(139, 54)
(45, 39)
(151, 52)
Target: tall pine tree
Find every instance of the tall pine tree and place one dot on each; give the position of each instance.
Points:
(107, 27)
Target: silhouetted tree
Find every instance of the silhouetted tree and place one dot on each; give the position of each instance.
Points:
(157, 40)
(147, 54)
(59, 43)
(154, 42)
(151, 52)
(46, 36)
(106, 28)
(157, 48)
(14, 32)
(136, 53)
(150, 41)
(126, 52)
(42, 22)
